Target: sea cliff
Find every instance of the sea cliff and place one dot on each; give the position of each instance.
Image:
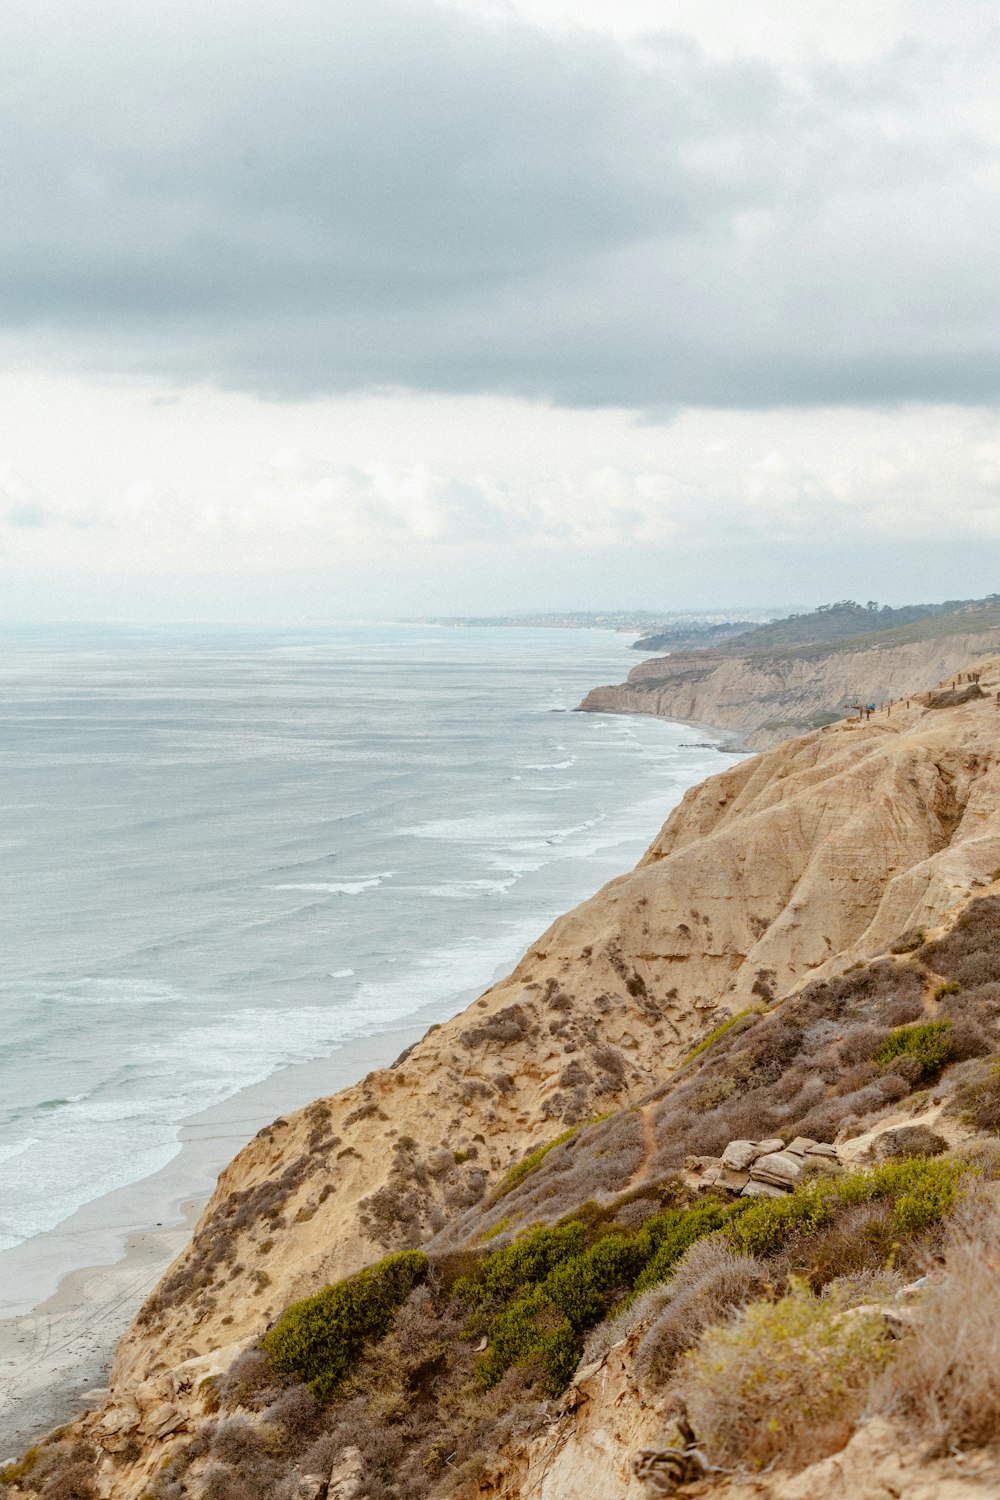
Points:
(765, 697)
(561, 1091)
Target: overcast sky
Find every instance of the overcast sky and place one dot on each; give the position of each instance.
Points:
(314, 309)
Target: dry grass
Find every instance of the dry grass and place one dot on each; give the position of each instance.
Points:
(711, 1283)
(944, 1384)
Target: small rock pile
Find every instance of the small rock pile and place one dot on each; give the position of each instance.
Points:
(761, 1169)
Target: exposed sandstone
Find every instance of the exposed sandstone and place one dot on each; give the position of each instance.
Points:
(767, 697)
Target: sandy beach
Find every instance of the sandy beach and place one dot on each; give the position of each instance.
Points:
(55, 1355)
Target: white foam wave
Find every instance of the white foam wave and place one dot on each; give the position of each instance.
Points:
(335, 887)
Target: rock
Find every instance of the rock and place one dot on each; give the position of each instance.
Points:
(765, 1148)
(780, 1168)
(761, 1190)
(734, 1181)
(345, 1477)
(114, 1427)
(739, 1154)
(801, 1145)
(822, 1148)
(160, 1421)
(311, 1487)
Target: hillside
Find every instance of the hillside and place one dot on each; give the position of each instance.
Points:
(766, 692)
(809, 952)
(825, 625)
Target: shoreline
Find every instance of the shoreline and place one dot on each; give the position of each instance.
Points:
(59, 1351)
(58, 1337)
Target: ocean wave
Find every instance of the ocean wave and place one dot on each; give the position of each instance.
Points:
(335, 887)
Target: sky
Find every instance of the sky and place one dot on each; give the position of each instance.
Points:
(380, 307)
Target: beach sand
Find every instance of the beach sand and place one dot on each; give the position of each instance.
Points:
(57, 1345)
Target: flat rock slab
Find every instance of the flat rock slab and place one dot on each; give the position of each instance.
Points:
(739, 1154)
(755, 1189)
(780, 1167)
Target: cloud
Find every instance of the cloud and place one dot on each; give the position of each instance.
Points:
(299, 198)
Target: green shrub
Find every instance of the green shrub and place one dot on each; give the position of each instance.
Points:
(744, 1019)
(923, 1190)
(535, 1298)
(928, 1043)
(520, 1170)
(950, 987)
(319, 1338)
(672, 1233)
(524, 1263)
(768, 1222)
(787, 1381)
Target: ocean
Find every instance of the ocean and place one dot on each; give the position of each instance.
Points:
(228, 851)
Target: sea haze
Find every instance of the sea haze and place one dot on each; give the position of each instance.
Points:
(226, 852)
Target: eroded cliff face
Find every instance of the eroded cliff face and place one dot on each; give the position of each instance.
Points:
(768, 697)
(784, 867)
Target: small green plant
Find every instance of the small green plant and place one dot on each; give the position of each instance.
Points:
(768, 1222)
(744, 1019)
(319, 1338)
(927, 1043)
(461, 1157)
(950, 987)
(520, 1170)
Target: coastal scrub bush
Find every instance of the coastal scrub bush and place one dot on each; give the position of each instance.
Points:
(534, 1299)
(945, 1381)
(909, 941)
(786, 1381)
(928, 1043)
(710, 1284)
(978, 1100)
(319, 1338)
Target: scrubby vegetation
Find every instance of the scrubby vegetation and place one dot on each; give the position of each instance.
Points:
(788, 1379)
(319, 1339)
(744, 1308)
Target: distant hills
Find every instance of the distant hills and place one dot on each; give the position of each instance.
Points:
(785, 677)
(846, 620)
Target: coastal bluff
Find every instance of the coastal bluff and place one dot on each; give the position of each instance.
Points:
(787, 868)
(766, 696)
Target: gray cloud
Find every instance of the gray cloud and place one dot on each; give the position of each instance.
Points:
(300, 198)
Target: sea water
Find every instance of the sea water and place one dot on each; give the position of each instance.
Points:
(222, 852)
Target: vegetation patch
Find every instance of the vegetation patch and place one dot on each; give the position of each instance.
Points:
(928, 1044)
(787, 1380)
(744, 1019)
(319, 1338)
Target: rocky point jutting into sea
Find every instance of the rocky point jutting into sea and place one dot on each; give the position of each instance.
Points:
(555, 1194)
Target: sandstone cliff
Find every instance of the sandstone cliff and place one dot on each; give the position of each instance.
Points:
(768, 696)
(788, 867)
